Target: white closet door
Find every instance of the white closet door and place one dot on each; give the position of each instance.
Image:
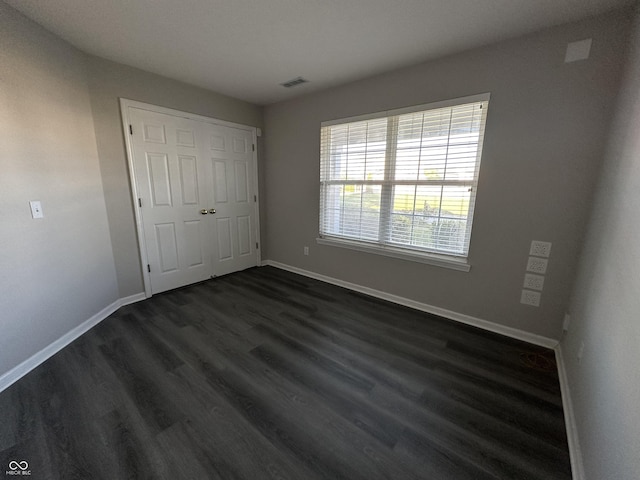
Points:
(171, 183)
(231, 169)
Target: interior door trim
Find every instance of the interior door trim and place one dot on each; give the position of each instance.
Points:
(125, 104)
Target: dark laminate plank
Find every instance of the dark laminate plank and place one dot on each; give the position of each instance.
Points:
(366, 364)
(317, 430)
(267, 374)
(540, 420)
(435, 462)
(345, 401)
(315, 359)
(129, 449)
(234, 447)
(142, 385)
(158, 353)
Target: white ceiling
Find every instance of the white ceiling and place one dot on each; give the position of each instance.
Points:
(246, 48)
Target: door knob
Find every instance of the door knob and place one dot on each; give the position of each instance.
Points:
(204, 211)
(212, 211)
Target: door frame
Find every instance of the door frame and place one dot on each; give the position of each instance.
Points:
(125, 104)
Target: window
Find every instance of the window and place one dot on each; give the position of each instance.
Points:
(403, 181)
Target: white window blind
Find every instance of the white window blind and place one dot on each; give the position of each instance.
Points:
(404, 179)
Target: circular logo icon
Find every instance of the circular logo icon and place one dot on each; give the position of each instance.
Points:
(23, 465)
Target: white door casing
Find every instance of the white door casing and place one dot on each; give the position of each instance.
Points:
(181, 166)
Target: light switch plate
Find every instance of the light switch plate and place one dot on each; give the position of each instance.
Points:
(36, 209)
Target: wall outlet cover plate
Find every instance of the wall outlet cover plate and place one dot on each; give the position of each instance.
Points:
(529, 297)
(540, 248)
(36, 209)
(537, 265)
(533, 281)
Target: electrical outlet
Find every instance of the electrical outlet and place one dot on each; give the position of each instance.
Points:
(537, 265)
(580, 352)
(530, 297)
(540, 249)
(533, 282)
(306, 250)
(36, 209)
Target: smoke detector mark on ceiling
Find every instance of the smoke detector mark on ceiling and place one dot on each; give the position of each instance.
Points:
(294, 82)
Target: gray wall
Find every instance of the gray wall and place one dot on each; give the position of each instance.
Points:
(605, 384)
(109, 81)
(544, 143)
(58, 271)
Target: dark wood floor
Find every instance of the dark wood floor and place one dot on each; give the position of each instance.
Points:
(264, 374)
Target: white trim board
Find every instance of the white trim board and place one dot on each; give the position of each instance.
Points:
(138, 297)
(575, 452)
(407, 302)
(19, 371)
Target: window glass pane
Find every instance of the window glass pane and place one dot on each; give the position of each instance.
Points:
(455, 202)
(407, 163)
(410, 128)
(370, 225)
(332, 209)
(352, 210)
(461, 158)
(428, 203)
(376, 149)
(462, 155)
(375, 165)
(430, 217)
(449, 235)
(401, 227)
(428, 200)
(432, 161)
(423, 228)
(336, 139)
(436, 123)
(361, 155)
(356, 162)
(371, 211)
(403, 198)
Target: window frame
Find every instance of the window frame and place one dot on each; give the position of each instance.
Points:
(385, 247)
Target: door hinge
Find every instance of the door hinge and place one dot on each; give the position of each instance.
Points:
(253, 147)
(131, 129)
(257, 246)
(139, 202)
(148, 268)
(255, 198)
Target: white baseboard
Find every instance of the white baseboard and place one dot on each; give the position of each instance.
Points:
(575, 453)
(138, 297)
(442, 312)
(16, 373)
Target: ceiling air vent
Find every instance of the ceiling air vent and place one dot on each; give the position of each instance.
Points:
(294, 82)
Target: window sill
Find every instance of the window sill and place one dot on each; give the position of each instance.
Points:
(443, 261)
